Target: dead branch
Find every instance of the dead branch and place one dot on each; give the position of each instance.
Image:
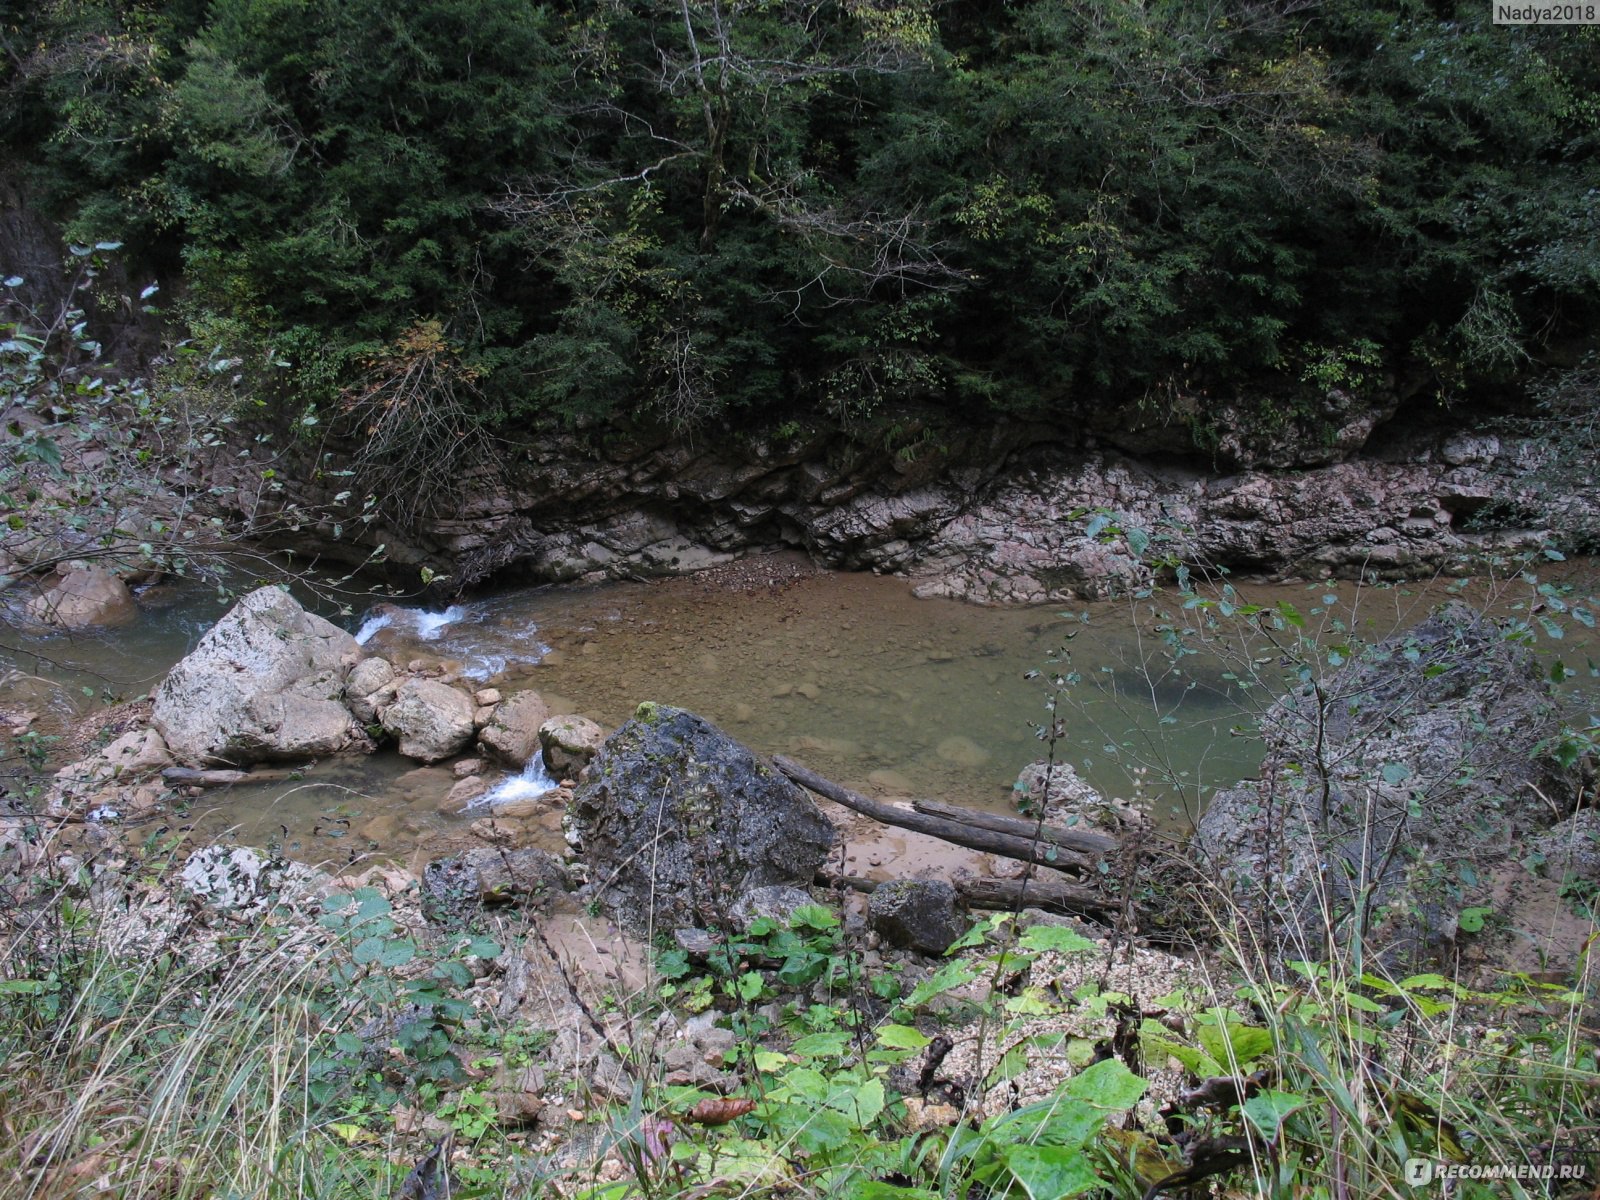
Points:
(1007, 845)
(1052, 895)
(1072, 839)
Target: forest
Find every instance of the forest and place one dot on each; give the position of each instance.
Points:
(684, 210)
(379, 819)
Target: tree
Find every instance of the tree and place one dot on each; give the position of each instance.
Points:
(705, 213)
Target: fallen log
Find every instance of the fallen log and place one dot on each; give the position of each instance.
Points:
(1057, 835)
(1052, 895)
(223, 777)
(1007, 845)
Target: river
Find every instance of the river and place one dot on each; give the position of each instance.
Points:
(849, 673)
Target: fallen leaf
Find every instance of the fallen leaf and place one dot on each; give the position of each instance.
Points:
(720, 1111)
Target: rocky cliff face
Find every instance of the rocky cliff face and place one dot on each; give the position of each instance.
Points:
(999, 513)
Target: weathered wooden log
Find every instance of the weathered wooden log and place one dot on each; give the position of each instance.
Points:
(1007, 845)
(1057, 835)
(1052, 895)
(222, 777)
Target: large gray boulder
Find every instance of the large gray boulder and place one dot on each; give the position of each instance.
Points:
(1390, 797)
(431, 720)
(264, 684)
(512, 732)
(677, 821)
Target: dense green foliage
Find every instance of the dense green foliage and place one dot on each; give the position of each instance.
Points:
(687, 206)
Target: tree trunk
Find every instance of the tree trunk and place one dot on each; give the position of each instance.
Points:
(1084, 840)
(974, 837)
(1053, 895)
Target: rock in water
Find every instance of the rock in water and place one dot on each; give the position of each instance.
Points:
(1397, 796)
(570, 743)
(512, 734)
(264, 684)
(370, 685)
(83, 596)
(678, 821)
(432, 720)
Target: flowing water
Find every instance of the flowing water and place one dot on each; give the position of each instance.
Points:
(850, 674)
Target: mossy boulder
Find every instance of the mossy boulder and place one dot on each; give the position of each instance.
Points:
(676, 822)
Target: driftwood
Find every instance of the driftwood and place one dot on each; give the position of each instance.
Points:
(1072, 839)
(960, 832)
(1052, 895)
(223, 777)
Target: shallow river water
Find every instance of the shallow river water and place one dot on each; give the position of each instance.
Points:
(848, 673)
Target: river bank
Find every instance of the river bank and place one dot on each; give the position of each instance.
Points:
(687, 1031)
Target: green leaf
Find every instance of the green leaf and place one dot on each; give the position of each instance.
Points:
(1107, 1084)
(1155, 1040)
(750, 985)
(803, 1083)
(872, 1189)
(1433, 981)
(1051, 1172)
(951, 975)
(770, 1060)
(1012, 1063)
(813, 916)
(1471, 919)
(802, 968)
(1239, 1044)
(1361, 1004)
(821, 1045)
(397, 954)
(902, 1037)
(863, 1105)
(673, 964)
(823, 1130)
(1267, 1110)
(1057, 938)
(369, 950)
(1053, 1122)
